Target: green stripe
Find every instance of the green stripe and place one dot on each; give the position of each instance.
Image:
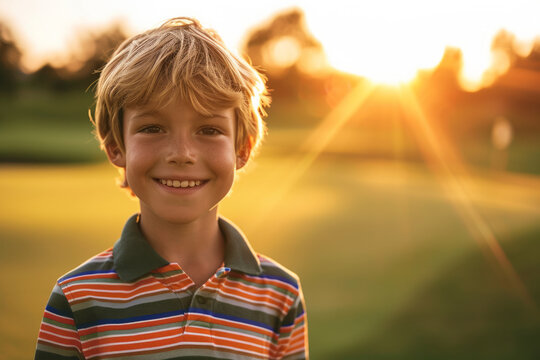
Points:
(59, 324)
(96, 335)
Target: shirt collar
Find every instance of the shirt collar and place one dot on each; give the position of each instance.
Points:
(134, 257)
(239, 254)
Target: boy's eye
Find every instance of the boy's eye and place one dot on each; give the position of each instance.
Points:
(209, 131)
(150, 129)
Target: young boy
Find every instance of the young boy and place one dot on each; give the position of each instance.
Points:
(178, 114)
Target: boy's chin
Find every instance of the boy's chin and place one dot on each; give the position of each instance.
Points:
(180, 217)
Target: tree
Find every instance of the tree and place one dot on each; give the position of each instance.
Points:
(287, 52)
(10, 57)
(88, 56)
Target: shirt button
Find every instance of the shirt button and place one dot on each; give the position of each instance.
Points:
(201, 300)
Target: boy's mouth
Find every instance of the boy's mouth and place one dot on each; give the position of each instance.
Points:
(180, 183)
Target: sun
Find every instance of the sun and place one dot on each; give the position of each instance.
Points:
(383, 64)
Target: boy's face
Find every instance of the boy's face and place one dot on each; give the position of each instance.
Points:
(179, 163)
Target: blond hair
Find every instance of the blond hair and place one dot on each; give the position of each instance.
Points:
(180, 59)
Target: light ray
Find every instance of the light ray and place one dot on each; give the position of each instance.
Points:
(452, 174)
(314, 145)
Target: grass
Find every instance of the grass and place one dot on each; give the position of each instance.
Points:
(388, 267)
(44, 127)
(465, 313)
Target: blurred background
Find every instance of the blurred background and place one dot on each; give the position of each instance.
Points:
(400, 177)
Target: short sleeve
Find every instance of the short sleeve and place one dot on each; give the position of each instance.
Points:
(58, 337)
(293, 337)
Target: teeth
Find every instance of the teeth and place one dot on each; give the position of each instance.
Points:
(180, 184)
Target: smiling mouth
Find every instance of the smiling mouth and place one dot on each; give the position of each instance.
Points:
(180, 183)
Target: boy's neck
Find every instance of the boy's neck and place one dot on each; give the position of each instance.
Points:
(198, 247)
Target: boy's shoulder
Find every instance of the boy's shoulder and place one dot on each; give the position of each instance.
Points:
(272, 269)
(97, 266)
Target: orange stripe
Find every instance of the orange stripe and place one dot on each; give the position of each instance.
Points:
(58, 330)
(263, 296)
(113, 298)
(131, 326)
(57, 318)
(73, 342)
(268, 304)
(104, 340)
(254, 289)
(265, 281)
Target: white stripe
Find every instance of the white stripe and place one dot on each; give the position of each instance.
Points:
(272, 281)
(259, 295)
(255, 307)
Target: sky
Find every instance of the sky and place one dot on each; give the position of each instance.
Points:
(386, 40)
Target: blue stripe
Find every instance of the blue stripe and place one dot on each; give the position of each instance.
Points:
(58, 312)
(232, 318)
(86, 273)
(132, 319)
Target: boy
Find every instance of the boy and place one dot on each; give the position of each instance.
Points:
(178, 114)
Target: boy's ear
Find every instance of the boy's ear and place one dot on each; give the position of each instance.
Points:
(115, 155)
(242, 158)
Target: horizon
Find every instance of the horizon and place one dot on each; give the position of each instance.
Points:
(354, 41)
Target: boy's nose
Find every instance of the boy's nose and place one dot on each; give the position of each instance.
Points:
(180, 151)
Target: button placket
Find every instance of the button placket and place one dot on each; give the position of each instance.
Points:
(198, 299)
(179, 291)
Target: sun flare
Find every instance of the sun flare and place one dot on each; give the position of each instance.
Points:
(389, 41)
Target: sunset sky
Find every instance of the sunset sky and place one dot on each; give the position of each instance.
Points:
(386, 40)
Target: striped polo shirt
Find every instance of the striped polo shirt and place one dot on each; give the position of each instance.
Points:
(128, 302)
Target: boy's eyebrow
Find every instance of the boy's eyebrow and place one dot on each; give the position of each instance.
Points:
(156, 112)
(145, 113)
(211, 116)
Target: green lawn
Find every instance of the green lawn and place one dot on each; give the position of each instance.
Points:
(45, 127)
(388, 266)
